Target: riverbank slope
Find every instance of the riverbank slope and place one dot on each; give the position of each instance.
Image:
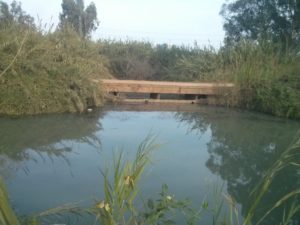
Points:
(48, 72)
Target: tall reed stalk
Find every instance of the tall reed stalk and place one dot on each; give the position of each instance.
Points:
(7, 215)
(290, 157)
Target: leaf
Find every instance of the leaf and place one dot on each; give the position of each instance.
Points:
(295, 164)
(165, 189)
(205, 205)
(7, 215)
(168, 222)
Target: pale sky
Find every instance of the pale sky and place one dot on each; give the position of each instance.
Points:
(158, 21)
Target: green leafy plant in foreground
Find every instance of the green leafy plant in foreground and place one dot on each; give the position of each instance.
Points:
(119, 205)
(290, 157)
(7, 215)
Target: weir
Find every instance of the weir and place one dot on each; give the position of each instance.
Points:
(164, 92)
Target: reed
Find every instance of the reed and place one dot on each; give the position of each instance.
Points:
(121, 193)
(290, 157)
(266, 77)
(7, 215)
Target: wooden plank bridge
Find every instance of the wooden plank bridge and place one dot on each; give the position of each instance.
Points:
(158, 91)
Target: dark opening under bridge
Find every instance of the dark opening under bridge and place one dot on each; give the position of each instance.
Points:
(158, 91)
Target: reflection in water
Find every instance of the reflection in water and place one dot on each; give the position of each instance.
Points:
(204, 143)
(50, 136)
(242, 148)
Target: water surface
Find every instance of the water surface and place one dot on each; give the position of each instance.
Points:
(55, 159)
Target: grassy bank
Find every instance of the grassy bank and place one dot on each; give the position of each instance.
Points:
(267, 77)
(50, 72)
(43, 72)
(46, 72)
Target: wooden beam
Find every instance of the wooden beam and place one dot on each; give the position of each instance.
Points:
(134, 86)
(164, 101)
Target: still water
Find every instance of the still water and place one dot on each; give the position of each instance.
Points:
(51, 160)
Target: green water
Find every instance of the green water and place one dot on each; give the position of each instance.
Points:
(51, 160)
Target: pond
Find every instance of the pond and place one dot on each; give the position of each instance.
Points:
(51, 160)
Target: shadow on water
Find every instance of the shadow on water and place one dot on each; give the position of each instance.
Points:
(47, 136)
(242, 148)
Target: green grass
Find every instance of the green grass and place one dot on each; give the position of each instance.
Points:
(46, 73)
(267, 78)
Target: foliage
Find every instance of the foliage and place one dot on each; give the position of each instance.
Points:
(119, 204)
(278, 21)
(144, 61)
(129, 59)
(82, 20)
(266, 72)
(266, 76)
(120, 194)
(197, 64)
(166, 59)
(290, 157)
(7, 215)
(267, 79)
(14, 14)
(51, 73)
(44, 72)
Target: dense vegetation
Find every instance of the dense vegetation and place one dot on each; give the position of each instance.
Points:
(43, 71)
(267, 75)
(273, 20)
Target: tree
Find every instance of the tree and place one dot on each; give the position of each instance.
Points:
(275, 20)
(82, 20)
(14, 14)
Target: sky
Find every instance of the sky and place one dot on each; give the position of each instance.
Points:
(158, 21)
